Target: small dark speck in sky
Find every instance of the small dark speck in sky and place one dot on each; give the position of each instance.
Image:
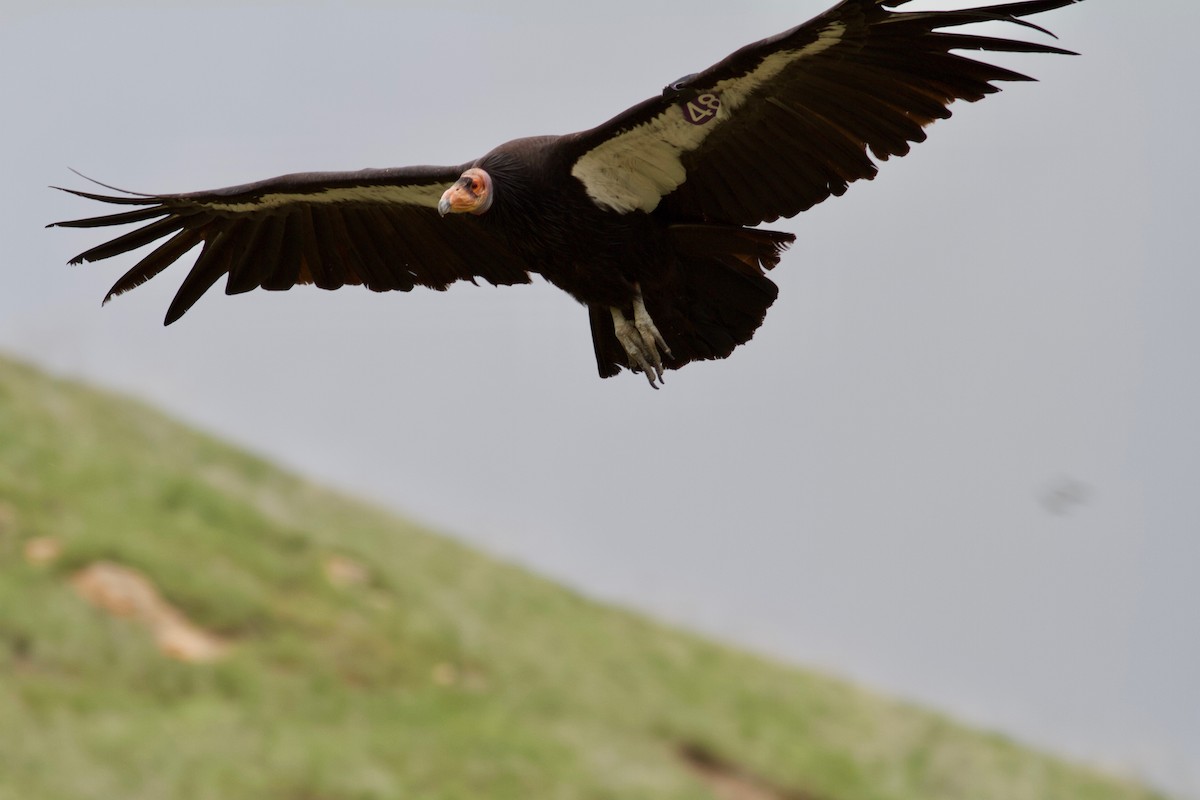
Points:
(1064, 495)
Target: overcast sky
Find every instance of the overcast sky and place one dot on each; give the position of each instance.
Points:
(958, 463)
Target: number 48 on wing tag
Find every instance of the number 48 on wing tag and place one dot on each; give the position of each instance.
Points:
(702, 109)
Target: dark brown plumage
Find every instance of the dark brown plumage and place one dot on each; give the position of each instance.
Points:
(647, 219)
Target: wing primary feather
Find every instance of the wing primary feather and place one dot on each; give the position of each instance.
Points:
(336, 270)
(255, 257)
(1005, 12)
(452, 264)
(107, 198)
(348, 257)
(373, 269)
(747, 179)
(131, 241)
(1022, 9)
(123, 218)
(310, 255)
(845, 155)
(960, 41)
(922, 93)
(212, 263)
(967, 17)
(155, 262)
(285, 273)
(721, 204)
(440, 273)
(271, 253)
(390, 238)
(981, 80)
(111, 187)
(885, 129)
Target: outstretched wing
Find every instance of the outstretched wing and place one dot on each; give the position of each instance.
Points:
(378, 228)
(786, 122)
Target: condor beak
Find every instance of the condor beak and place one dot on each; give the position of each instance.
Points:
(457, 199)
(470, 194)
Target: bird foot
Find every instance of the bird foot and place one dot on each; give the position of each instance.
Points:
(641, 340)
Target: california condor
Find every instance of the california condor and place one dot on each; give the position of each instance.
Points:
(648, 220)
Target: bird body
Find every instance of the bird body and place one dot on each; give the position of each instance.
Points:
(649, 219)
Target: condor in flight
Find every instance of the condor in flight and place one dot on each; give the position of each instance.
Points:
(648, 220)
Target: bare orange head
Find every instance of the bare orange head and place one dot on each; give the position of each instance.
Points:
(470, 194)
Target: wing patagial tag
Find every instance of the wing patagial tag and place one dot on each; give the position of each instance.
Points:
(702, 109)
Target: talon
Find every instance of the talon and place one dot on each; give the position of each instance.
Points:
(641, 340)
(646, 326)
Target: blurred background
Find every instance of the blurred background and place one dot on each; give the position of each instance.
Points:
(957, 463)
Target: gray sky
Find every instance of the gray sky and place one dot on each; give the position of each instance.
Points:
(1006, 313)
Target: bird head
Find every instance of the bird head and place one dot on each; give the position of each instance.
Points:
(470, 194)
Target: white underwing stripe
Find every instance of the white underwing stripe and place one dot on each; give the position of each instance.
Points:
(634, 170)
(427, 195)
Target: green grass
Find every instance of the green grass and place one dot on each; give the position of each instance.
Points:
(332, 693)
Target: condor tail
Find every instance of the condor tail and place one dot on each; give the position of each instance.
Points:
(713, 300)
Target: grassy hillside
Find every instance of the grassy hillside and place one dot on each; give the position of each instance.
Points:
(435, 673)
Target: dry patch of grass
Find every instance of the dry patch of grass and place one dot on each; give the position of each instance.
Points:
(125, 592)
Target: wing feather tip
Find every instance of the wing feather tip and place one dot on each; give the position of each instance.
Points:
(173, 314)
(119, 289)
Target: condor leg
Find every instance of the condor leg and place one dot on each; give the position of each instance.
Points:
(641, 340)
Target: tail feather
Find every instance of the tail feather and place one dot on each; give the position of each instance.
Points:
(714, 300)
